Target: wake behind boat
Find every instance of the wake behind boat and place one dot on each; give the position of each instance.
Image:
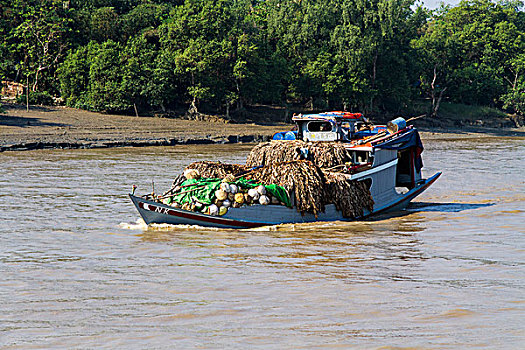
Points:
(334, 166)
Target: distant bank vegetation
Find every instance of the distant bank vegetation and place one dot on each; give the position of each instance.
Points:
(223, 55)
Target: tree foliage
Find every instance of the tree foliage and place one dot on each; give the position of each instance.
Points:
(222, 55)
(472, 52)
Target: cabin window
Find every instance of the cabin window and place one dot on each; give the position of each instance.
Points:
(360, 126)
(361, 157)
(347, 130)
(347, 125)
(319, 126)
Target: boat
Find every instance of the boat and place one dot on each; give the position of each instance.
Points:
(386, 158)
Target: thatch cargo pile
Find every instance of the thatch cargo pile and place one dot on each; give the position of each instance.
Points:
(309, 186)
(217, 169)
(311, 183)
(302, 179)
(350, 197)
(278, 169)
(312, 188)
(322, 154)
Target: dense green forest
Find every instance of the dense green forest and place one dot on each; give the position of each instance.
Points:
(221, 56)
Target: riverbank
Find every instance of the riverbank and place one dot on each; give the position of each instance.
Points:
(62, 127)
(68, 128)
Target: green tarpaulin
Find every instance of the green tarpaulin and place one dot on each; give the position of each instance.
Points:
(204, 190)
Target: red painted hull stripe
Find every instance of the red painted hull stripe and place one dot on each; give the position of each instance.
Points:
(190, 216)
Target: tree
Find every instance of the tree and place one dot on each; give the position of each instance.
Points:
(104, 92)
(40, 38)
(437, 61)
(256, 70)
(138, 72)
(300, 33)
(514, 98)
(104, 25)
(196, 35)
(344, 53)
(470, 52)
(73, 75)
(91, 78)
(199, 64)
(222, 55)
(143, 16)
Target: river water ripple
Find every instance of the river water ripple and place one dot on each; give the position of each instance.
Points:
(77, 270)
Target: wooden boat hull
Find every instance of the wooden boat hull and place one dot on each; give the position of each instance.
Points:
(258, 215)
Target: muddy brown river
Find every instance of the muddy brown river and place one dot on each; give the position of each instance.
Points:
(79, 271)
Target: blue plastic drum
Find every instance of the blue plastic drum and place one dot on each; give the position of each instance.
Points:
(395, 125)
(278, 135)
(290, 135)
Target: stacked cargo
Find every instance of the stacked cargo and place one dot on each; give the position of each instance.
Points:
(275, 174)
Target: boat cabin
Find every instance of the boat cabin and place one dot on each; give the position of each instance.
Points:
(329, 126)
(394, 147)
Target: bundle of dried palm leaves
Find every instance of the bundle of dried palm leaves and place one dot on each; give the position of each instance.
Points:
(301, 178)
(328, 154)
(217, 169)
(266, 153)
(322, 154)
(310, 187)
(350, 197)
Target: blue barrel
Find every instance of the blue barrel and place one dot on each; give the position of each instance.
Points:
(290, 135)
(279, 135)
(395, 125)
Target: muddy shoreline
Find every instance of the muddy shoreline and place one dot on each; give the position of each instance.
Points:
(68, 128)
(26, 146)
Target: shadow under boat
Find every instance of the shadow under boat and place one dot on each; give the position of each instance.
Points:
(445, 207)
